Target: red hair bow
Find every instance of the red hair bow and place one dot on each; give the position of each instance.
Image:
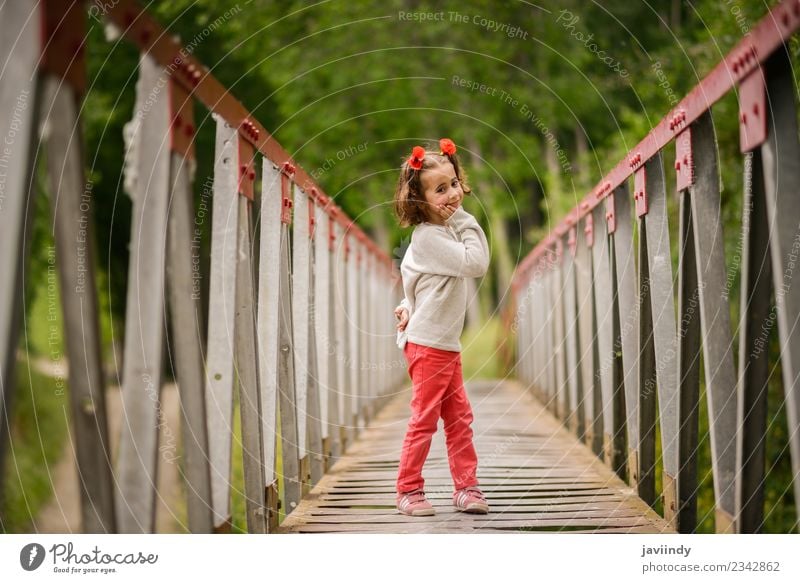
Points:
(447, 146)
(417, 154)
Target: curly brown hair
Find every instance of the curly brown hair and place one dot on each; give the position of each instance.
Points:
(409, 199)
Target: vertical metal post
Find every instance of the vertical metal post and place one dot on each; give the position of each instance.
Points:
(575, 413)
(185, 307)
(144, 318)
(321, 320)
(720, 376)
(753, 374)
(618, 215)
(646, 377)
(71, 202)
(19, 97)
(781, 158)
(268, 329)
(287, 403)
(685, 515)
(662, 306)
(588, 335)
(301, 277)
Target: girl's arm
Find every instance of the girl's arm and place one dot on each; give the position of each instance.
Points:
(436, 252)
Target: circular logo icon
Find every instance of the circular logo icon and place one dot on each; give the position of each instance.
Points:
(31, 556)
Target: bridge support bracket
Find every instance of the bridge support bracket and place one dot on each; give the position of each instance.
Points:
(752, 111)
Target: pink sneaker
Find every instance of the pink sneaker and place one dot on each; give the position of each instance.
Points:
(470, 500)
(414, 504)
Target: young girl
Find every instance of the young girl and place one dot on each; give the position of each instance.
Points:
(447, 245)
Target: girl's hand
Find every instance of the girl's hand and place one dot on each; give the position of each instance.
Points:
(447, 209)
(402, 315)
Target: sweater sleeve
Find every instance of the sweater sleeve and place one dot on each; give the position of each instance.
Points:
(437, 253)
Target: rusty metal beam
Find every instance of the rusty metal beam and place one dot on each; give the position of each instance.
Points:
(746, 57)
(143, 30)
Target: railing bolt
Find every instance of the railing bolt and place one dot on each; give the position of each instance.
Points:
(87, 405)
(677, 165)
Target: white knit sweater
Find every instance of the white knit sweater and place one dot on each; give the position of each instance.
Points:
(433, 270)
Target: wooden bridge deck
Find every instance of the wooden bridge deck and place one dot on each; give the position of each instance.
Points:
(537, 477)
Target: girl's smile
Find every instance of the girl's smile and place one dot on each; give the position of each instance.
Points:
(443, 192)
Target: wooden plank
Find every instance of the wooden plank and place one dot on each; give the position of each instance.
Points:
(137, 459)
(415, 525)
(19, 96)
(444, 499)
(523, 484)
(71, 203)
(493, 518)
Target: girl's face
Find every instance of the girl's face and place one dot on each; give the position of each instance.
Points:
(440, 186)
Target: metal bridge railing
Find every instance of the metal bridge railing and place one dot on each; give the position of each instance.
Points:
(598, 334)
(297, 313)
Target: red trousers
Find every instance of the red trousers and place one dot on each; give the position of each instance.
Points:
(438, 392)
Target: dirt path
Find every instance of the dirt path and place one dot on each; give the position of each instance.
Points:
(62, 513)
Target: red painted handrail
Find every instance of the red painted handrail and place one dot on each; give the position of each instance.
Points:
(748, 55)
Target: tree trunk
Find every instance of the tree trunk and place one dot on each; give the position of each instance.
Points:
(501, 264)
(675, 17)
(474, 308)
(582, 166)
(553, 185)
